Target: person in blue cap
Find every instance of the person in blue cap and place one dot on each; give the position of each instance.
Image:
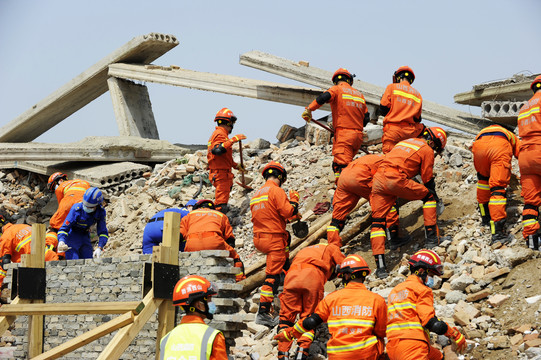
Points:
(153, 233)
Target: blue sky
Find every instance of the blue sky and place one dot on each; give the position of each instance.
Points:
(451, 46)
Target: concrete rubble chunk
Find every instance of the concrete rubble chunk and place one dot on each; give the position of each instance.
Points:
(497, 299)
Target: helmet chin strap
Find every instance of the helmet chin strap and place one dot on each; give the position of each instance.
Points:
(422, 274)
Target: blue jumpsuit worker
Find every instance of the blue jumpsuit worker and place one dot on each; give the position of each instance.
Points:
(74, 235)
(153, 233)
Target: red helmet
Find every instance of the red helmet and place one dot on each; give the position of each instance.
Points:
(354, 264)
(536, 84)
(275, 169)
(54, 178)
(225, 116)
(191, 288)
(342, 75)
(427, 259)
(439, 136)
(404, 71)
(204, 204)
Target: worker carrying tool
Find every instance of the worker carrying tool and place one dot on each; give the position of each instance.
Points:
(401, 105)
(356, 317)
(349, 115)
(492, 150)
(304, 285)
(68, 192)
(205, 228)
(394, 179)
(220, 157)
(270, 209)
(192, 338)
(153, 233)
(74, 235)
(411, 314)
(529, 162)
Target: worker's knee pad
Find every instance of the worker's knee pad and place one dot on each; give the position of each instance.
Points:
(428, 197)
(378, 223)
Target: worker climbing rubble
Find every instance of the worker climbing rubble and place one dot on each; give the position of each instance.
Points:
(394, 179)
(220, 157)
(349, 115)
(492, 150)
(411, 314)
(68, 192)
(270, 209)
(356, 317)
(303, 289)
(205, 228)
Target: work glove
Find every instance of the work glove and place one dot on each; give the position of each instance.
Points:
(294, 196)
(62, 247)
(237, 138)
(459, 339)
(240, 168)
(284, 335)
(97, 253)
(307, 115)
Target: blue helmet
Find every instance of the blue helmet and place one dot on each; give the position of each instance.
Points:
(191, 202)
(92, 197)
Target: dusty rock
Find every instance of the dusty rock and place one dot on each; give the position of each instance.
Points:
(497, 299)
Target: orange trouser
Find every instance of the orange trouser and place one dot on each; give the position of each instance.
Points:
(387, 187)
(492, 161)
(411, 349)
(529, 162)
(63, 209)
(276, 247)
(222, 180)
(303, 290)
(346, 145)
(393, 133)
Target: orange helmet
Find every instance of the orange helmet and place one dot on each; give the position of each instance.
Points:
(54, 178)
(191, 288)
(225, 116)
(275, 169)
(342, 75)
(354, 265)
(427, 259)
(204, 203)
(438, 135)
(536, 84)
(404, 71)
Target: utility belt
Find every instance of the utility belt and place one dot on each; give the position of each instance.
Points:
(155, 219)
(493, 133)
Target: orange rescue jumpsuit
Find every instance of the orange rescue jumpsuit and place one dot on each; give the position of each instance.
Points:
(303, 287)
(393, 179)
(529, 162)
(348, 113)
(403, 120)
(270, 209)
(492, 151)
(67, 193)
(220, 166)
(410, 307)
(207, 229)
(356, 318)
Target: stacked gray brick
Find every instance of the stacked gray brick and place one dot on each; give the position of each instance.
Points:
(120, 279)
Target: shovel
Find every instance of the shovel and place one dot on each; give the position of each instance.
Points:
(243, 184)
(300, 229)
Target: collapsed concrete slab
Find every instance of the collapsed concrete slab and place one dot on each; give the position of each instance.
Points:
(83, 89)
(502, 112)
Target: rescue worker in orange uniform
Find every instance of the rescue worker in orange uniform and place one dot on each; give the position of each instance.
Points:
(349, 116)
(270, 209)
(220, 157)
(312, 267)
(192, 338)
(208, 229)
(356, 182)
(393, 179)
(401, 105)
(356, 317)
(68, 193)
(492, 151)
(411, 315)
(529, 162)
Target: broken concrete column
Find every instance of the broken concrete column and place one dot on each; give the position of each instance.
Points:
(505, 112)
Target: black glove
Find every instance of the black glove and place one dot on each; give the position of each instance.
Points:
(6, 259)
(366, 118)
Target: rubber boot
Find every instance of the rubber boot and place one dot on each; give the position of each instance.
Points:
(534, 241)
(302, 353)
(497, 228)
(485, 214)
(264, 317)
(395, 240)
(432, 236)
(381, 271)
(283, 355)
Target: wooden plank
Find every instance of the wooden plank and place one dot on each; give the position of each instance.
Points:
(37, 260)
(37, 245)
(124, 337)
(6, 321)
(87, 337)
(119, 307)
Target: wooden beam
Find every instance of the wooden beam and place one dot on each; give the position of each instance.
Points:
(114, 307)
(87, 337)
(6, 321)
(37, 260)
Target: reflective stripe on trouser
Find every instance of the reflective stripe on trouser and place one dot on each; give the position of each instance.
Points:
(496, 207)
(483, 191)
(378, 236)
(333, 236)
(430, 212)
(392, 217)
(223, 182)
(530, 220)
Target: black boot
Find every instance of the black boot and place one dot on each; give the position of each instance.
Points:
(223, 208)
(302, 353)
(264, 316)
(432, 237)
(497, 228)
(283, 355)
(395, 240)
(485, 214)
(534, 241)
(381, 271)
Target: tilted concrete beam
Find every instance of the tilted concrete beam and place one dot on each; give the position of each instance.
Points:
(83, 89)
(513, 89)
(314, 76)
